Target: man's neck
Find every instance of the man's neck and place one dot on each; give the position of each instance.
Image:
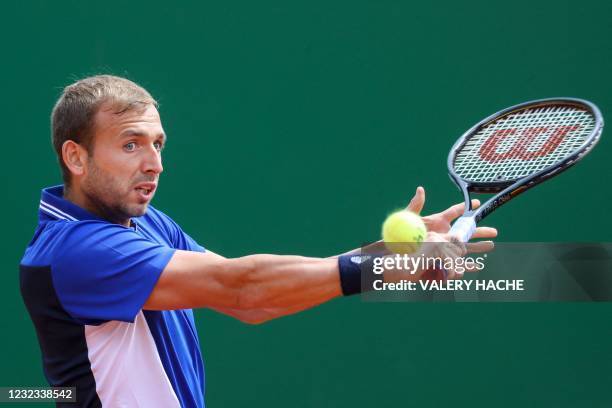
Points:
(78, 197)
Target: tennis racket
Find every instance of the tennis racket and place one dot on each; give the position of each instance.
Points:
(516, 149)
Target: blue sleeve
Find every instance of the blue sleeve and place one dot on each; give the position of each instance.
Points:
(106, 271)
(180, 239)
(185, 242)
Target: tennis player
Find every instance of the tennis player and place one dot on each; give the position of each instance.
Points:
(109, 281)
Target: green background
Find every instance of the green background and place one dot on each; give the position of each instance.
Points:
(294, 128)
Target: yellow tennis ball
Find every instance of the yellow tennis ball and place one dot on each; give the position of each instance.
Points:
(403, 232)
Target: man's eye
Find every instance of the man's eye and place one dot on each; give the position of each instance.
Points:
(130, 147)
(158, 146)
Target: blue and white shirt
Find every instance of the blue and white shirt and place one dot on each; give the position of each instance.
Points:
(84, 281)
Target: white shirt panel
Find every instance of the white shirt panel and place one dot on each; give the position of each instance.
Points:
(126, 366)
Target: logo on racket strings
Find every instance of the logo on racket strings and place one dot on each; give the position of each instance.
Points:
(521, 143)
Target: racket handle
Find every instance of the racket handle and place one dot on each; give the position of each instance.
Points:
(464, 228)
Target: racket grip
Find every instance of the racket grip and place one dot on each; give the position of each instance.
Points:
(464, 228)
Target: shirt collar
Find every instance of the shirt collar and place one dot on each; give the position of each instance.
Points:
(54, 205)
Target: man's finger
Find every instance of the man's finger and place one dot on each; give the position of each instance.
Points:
(418, 201)
(472, 268)
(457, 210)
(480, 247)
(485, 232)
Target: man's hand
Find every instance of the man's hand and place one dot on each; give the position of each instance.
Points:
(441, 222)
(438, 226)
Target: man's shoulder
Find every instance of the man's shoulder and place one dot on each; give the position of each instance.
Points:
(78, 231)
(62, 237)
(159, 220)
(170, 229)
(157, 215)
(153, 214)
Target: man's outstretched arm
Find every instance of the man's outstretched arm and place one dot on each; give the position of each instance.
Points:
(253, 288)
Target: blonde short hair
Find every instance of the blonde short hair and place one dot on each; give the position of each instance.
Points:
(73, 115)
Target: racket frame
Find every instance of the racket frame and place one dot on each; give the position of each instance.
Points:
(507, 190)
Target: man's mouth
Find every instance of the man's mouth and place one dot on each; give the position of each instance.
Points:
(146, 189)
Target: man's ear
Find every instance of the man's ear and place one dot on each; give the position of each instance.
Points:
(75, 157)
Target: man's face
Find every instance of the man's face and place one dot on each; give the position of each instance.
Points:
(123, 171)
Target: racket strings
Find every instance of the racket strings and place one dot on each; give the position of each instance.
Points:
(523, 143)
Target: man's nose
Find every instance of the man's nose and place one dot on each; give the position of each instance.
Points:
(153, 161)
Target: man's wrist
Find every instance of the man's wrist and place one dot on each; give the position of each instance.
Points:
(356, 273)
